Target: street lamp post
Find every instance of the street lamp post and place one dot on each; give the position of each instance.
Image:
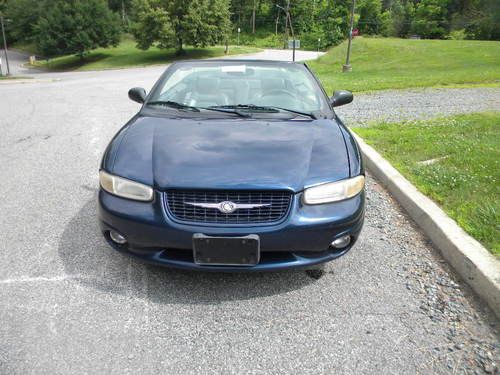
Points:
(347, 66)
(5, 45)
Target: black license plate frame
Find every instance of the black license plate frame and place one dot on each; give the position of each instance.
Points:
(241, 251)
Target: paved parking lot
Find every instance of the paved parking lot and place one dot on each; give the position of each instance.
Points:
(70, 304)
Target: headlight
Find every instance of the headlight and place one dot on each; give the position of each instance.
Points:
(334, 191)
(125, 188)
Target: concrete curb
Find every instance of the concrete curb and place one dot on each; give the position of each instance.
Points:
(479, 268)
(27, 80)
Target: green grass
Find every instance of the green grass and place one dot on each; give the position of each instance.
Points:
(465, 181)
(389, 63)
(127, 55)
(27, 47)
(261, 39)
(14, 77)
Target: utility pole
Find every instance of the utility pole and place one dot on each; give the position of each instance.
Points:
(291, 28)
(5, 45)
(288, 21)
(347, 66)
(286, 25)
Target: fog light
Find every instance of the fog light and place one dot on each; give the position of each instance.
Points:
(341, 242)
(117, 237)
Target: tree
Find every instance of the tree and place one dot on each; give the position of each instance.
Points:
(326, 20)
(174, 23)
(431, 19)
(401, 14)
(369, 16)
(123, 8)
(75, 27)
(23, 15)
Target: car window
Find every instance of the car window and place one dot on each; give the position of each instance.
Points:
(287, 86)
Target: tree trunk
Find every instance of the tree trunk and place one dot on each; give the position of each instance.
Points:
(180, 50)
(253, 16)
(277, 21)
(123, 12)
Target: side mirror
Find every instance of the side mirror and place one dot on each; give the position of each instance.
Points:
(137, 94)
(341, 97)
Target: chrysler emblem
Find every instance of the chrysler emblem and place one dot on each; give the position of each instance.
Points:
(228, 207)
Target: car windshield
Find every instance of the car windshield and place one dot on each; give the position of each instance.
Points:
(240, 86)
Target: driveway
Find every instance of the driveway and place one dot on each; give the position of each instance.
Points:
(71, 304)
(416, 104)
(16, 63)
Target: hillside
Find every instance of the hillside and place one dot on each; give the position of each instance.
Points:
(390, 63)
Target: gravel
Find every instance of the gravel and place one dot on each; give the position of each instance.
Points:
(462, 345)
(70, 304)
(399, 105)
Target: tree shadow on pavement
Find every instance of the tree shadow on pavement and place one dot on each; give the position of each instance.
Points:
(89, 260)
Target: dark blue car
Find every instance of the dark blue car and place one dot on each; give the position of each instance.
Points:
(233, 165)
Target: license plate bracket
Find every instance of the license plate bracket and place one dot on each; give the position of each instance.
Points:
(226, 251)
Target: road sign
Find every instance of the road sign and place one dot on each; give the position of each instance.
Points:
(290, 43)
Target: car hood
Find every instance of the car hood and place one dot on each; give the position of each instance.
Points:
(229, 153)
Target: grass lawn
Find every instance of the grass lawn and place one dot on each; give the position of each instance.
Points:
(14, 77)
(127, 55)
(261, 39)
(464, 177)
(390, 63)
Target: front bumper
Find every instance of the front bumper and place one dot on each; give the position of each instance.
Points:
(302, 240)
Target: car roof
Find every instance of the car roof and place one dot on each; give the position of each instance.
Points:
(232, 61)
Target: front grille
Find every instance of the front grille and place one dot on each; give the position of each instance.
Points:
(278, 203)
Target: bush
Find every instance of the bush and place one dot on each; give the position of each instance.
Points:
(457, 35)
(75, 27)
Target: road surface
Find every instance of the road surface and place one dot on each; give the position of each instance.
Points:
(71, 304)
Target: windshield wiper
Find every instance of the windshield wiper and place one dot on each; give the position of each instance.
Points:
(267, 108)
(226, 109)
(175, 105)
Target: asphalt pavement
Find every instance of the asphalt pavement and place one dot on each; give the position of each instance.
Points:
(17, 62)
(71, 304)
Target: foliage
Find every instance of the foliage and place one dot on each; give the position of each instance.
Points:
(370, 13)
(457, 35)
(388, 63)
(431, 19)
(174, 23)
(317, 23)
(261, 39)
(124, 9)
(23, 15)
(326, 20)
(75, 27)
(465, 173)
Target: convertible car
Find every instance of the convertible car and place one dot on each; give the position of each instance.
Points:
(233, 165)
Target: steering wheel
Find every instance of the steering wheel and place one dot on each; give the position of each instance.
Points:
(277, 92)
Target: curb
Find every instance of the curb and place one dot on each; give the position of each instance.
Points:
(27, 80)
(479, 268)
